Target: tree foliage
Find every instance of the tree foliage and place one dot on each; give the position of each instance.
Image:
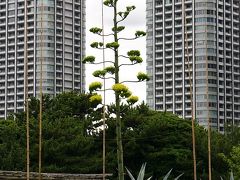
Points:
(66, 142)
(12, 152)
(233, 161)
(72, 143)
(164, 141)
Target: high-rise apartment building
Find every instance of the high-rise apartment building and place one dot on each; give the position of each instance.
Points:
(194, 43)
(55, 32)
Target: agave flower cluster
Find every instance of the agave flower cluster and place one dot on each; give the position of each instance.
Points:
(122, 90)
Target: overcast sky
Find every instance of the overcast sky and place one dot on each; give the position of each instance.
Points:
(135, 21)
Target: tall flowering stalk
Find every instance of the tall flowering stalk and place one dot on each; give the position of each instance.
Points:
(112, 72)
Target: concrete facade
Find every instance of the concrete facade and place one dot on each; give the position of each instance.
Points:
(209, 39)
(61, 36)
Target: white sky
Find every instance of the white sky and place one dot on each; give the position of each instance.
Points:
(135, 21)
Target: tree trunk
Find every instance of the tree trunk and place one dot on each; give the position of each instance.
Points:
(117, 99)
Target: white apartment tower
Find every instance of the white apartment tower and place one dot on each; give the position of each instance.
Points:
(60, 35)
(208, 30)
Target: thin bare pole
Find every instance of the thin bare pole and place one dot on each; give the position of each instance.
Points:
(41, 98)
(104, 99)
(26, 89)
(191, 94)
(208, 118)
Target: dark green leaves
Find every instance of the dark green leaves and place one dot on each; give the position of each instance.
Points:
(108, 3)
(99, 73)
(110, 69)
(96, 44)
(142, 77)
(102, 73)
(88, 59)
(134, 56)
(130, 8)
(124, 14)
(118, 29)
(136, 59)
(140, 34)
(112, 45)
(96, 30)
(133, 53)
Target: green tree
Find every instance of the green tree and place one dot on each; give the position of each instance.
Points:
(232, 132)
(71, 143)
(11, 146)
(67, 143)
(233, 161)
(121, 91)
(68, 147)
(69, 104)
(219, 144)
(163, 140)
